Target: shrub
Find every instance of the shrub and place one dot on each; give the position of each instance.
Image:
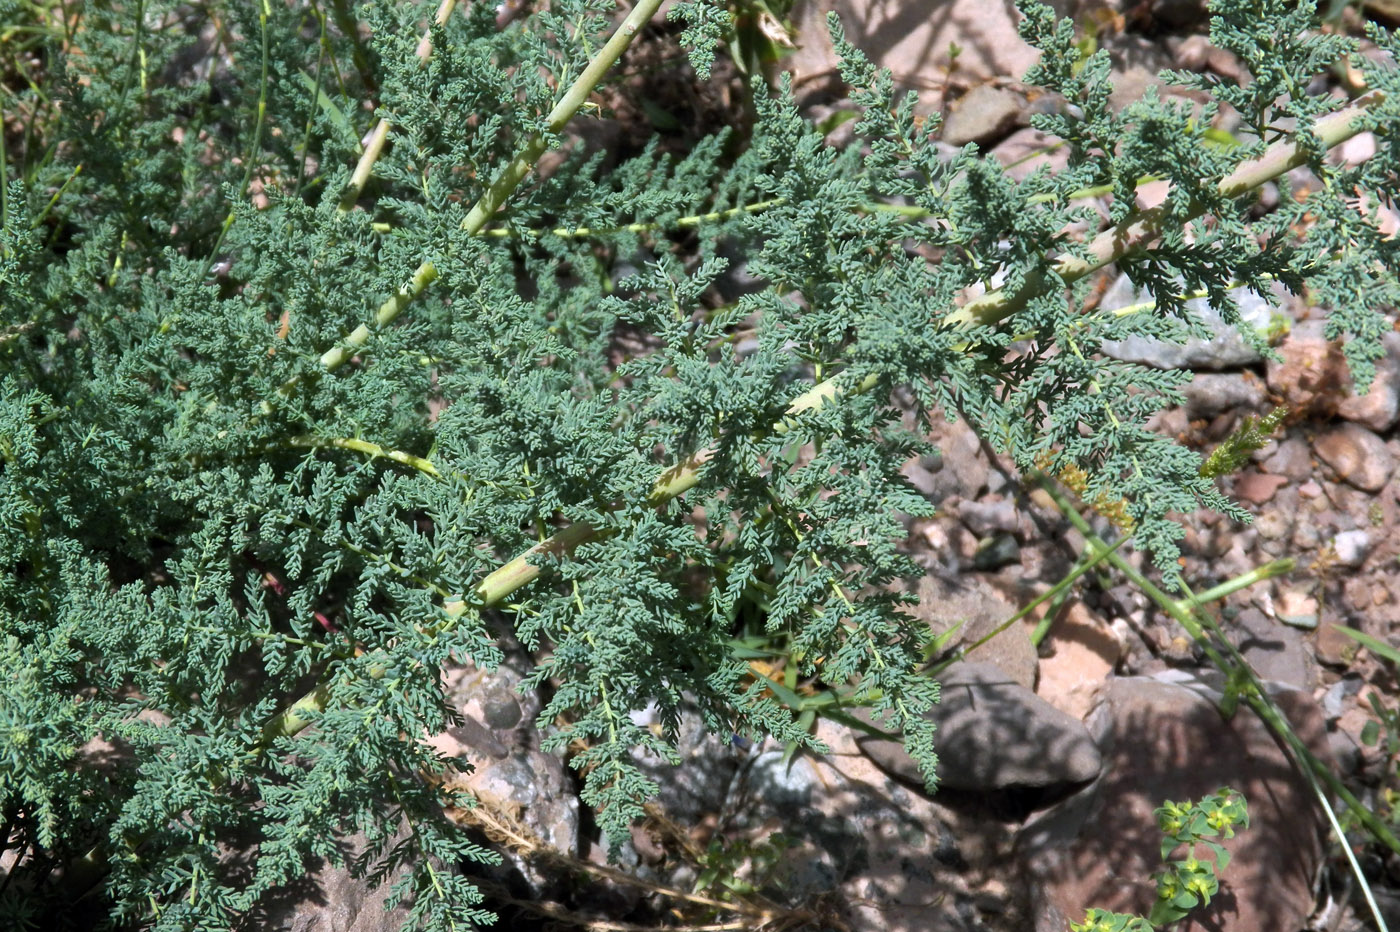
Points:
(278, 441)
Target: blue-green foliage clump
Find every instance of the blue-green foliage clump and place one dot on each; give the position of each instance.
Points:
(203, 518)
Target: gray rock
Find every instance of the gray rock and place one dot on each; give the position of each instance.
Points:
(700, 784)
(1163, 738)
(1292, 459)
(1212, 393)
(983, 114)
(979, 609)
(1225, 350)
(963, 460)
(784, 784)
(995, 552)
(1341, 695)
(535, 787)
(986, 518)
(994, 734)
(1276, 652)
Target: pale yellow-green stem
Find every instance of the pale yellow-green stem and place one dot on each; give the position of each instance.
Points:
(506, 182)
(374, 143)
(369, 449)
(1135, 231)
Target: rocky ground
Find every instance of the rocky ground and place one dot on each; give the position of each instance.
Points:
(1055, 755)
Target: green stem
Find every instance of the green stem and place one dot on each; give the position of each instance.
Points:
(1255, 695)
(1243, 581)
(506, 182)
(380, 135)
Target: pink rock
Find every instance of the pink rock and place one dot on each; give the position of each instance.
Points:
(1313, 371)
(1313, 378)
(1258, 487)
(1379, 408)
(913, 43)
(1163, 739)
(1083, 653)
(1359, 457)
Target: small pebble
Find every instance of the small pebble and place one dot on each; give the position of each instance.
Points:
(1352, 547)
(1296, 608)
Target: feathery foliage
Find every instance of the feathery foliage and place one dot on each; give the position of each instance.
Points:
(228, 474)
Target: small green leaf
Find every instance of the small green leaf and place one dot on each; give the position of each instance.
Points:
(1370, 733)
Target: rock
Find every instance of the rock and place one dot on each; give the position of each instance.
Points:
(699, 785)
(1027, 149)
(1334, 648)
(329, 899)
(1312, 371)
(1306, 536)
(995, 552)
(1351, 547)
(980, 609)
(1276, 652)
(1292, 459)
(782, 783)
(1082, 652)
(1257, 487)
(914, 42)
(1212, 393)
(1379, 408)
(1163, 739)
(1341, 695)
(986, 518)
(1313, 379)
(922, 473)
(963, 460)
(1272, 525)
(1295, 607)
(1359, 457)
(993, 734)
(535, 789)
(1137, 65)
(904, 862)
(1225, 350)
(508, 774)
(982, 115)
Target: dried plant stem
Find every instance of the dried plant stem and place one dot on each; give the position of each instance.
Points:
(501, 828)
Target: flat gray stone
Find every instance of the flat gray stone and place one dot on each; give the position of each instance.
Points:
(1226, 349)
(993, 734)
